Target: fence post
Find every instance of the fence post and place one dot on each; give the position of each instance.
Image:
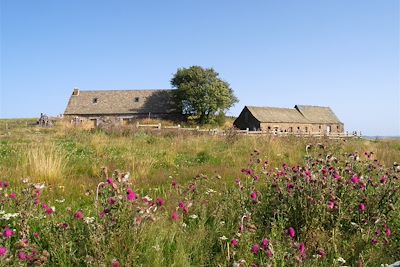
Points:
(159, 126)
(247, 130)
(137, 124)
(197, 128)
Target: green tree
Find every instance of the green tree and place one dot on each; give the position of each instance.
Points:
(201, 93)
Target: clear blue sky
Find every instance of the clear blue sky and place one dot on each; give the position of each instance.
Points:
(338, 53)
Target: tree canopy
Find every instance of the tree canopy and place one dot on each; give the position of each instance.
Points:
(201, 93)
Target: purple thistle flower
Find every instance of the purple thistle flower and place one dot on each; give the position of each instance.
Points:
(265, 243)
(255, 249)
(175, 216)
(355, 179)
(3, 251)
(21, 256)
(79, 215)
(8, 233)
(362, 207)
(302, 249)
(291, 232)
(253, 196)
(234, 242)
(160, 201)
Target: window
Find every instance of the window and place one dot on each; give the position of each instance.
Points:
(306, 128)
(136, 99)
(95, 100)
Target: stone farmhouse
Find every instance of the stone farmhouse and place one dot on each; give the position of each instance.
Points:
(300, 119)
(121, 105)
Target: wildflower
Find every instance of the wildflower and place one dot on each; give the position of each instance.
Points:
(355, 179)
(7, 233)
(50, 210)
(223, 238)
(234, 242)
(269, 253)
(79, 215)
(321, 253)
(21, 256)
(302, 249)
(383, 179)
(362, 207)
(160, 201)
(378, 232)
(255, 249)
(174, 184)
(291, 232)
(374, 242)
(36, 235)
(89, 220)
(337, 177)
(110, 181)
(331, 204)
(388, 232)
(253, 196)
(131, 195)
(111, 201)
(115, 263)
(265, 243)
(175, 216)
(13, 195)
(193, 216)
(183, 207)
(3, 251)
(290, 186)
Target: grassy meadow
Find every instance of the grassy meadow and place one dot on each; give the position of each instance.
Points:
(126, 197)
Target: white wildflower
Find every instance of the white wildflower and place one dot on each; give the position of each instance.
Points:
(193, 216)
(222, 222)
(184, 225)
(223, 238)
(8, 216)
(39, 186)
(89, 220)
(60, 200)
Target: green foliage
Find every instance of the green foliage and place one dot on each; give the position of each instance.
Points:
(202, 93)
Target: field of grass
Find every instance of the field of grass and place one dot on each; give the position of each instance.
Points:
(194, 199)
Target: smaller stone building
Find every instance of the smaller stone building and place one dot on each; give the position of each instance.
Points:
(300, 119)
(121, 105)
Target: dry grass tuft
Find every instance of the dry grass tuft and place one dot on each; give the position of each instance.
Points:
(44, 163)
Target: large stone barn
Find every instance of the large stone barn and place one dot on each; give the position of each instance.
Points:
(121, 105)
(300, 119)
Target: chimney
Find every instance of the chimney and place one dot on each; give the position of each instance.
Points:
(76, 91)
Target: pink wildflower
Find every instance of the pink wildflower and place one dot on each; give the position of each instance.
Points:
(290, 186)
(49, 211)
(355, 179)
(175, 216)
(265, 243)
(253, 196)
(3, 251)
(160, 201)
(111, 201)
(13, 195)
(388, 232)
(174, 184)
(291, 232)
(255, 249)
(331, 204)
(21, 256)
(321, 253)
(79, 215)
(115, 263)
(7, 233)
(362, 207)
(110, 181)
(337, 177)
(183, 207)
(383, 179)
(374, 242)
(131, 195)
(234, 242)
(269, 253)
(378, 232)
(302, 248)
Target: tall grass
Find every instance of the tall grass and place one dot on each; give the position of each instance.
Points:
(44, 163)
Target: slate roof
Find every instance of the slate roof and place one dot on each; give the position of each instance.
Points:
(116, 102)
(299, 114)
